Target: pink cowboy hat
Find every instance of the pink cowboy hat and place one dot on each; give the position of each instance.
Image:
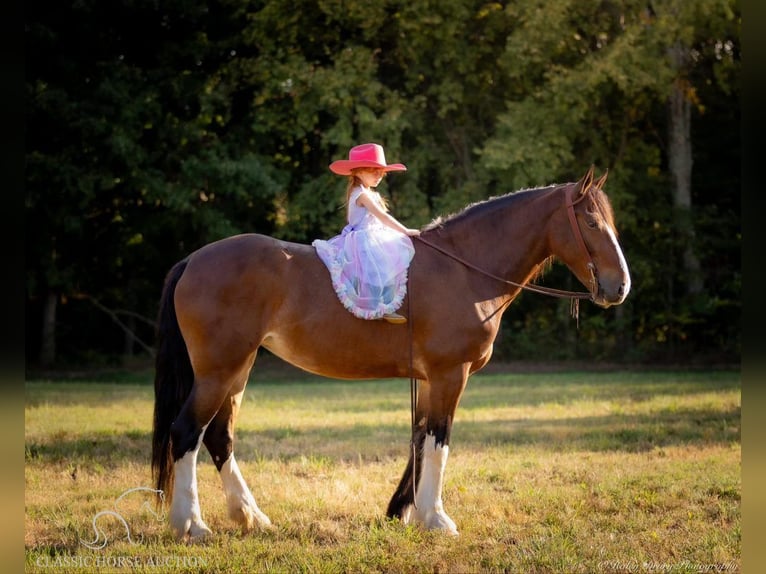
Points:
(365, 155)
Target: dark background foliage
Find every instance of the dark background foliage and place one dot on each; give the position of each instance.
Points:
(153, 128)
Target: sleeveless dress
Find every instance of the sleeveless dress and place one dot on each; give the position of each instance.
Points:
(368, 262)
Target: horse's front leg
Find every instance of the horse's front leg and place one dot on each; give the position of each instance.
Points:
(437, 402)
(428, 508)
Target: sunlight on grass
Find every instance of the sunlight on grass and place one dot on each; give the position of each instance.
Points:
(565, 472)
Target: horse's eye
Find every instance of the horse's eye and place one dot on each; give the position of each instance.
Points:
(591, 222)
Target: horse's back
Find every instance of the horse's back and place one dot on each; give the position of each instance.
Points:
(234, 288)
(248, 249)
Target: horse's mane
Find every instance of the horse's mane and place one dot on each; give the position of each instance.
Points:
(604, 206)
(479, 207)
(507, 200)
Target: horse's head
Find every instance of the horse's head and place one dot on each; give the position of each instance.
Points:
(591, 249)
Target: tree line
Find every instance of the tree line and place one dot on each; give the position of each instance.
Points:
(153, 128)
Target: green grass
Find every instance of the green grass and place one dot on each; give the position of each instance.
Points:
(554, 472)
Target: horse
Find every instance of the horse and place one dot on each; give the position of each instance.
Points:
(223, 302)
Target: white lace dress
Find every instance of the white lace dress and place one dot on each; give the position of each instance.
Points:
(368, 262)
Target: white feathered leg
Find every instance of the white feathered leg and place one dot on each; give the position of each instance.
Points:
(185, 514)
(242, 506)
(429, 509)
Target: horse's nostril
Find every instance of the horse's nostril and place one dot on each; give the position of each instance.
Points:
(621, 290)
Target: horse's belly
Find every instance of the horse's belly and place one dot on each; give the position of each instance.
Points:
(326, 361)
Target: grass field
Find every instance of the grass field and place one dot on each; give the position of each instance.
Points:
(548, 472)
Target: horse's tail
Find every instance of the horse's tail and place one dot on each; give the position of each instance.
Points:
(173, 381)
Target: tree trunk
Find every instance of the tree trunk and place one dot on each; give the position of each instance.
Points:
(48, 345)
(680, 163)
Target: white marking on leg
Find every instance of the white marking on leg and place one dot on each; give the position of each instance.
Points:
(428, 502)
(242, 506)
(185, 512)
(408, 514)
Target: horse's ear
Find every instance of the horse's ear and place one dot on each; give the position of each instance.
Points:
(585, 182)
(601, 180)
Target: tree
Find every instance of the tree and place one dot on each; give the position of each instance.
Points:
(591, 81)
(133, 158)
(156, 128)
(687, 30)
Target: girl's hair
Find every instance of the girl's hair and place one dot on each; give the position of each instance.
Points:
(354, 181)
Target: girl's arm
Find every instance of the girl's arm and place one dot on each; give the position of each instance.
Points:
(366, 200)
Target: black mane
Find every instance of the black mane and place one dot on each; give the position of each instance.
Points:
(483, 206)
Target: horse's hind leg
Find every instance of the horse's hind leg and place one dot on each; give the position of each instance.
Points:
(219, 440)
(186, 434)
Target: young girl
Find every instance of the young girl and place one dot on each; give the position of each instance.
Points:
(368, 261)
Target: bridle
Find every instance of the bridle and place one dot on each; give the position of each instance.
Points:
(578, 237)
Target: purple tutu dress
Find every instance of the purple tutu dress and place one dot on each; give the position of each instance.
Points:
(368, 263)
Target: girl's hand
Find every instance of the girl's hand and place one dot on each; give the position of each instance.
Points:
(367, 200)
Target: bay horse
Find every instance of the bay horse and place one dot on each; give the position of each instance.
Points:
(230, 297)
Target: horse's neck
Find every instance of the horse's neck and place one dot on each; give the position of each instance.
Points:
(511, 239)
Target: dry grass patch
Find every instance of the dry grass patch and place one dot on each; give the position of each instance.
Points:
(570, 472)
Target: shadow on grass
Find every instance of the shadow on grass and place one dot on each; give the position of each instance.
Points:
(376, 395)
(613, 432)
(99, 450)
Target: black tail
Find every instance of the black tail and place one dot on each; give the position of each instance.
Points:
(405, 492)
(173, 381)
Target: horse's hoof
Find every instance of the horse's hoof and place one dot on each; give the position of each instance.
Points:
(432, 520)
(199, 533)
(191, 532)
(440, 521)
(250, 518)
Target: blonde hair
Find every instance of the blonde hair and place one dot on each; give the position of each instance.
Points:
(354, 181)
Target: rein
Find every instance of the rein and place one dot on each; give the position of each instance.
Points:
(560, 293)
(413, 394)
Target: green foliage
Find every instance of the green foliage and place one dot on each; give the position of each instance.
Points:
(153, 129)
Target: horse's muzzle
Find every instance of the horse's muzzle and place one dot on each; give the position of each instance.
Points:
(612, 290)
